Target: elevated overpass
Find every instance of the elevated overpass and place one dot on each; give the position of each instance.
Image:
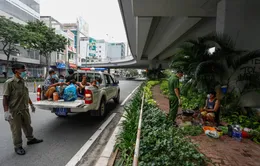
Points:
(128, 62)
(155, 28)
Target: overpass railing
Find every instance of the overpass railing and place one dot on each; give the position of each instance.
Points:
(112, 60)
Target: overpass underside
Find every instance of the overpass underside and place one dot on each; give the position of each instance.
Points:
(155, 28)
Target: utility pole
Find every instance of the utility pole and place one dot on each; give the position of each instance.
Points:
(78, 47)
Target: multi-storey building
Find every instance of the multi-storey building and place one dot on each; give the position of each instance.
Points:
(116, 51)
(21, 11)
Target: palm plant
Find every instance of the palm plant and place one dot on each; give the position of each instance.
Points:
(205, 69)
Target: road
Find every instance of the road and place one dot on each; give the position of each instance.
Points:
(63, 137)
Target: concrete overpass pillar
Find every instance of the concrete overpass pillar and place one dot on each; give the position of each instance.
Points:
(152, 65)
(240, 19)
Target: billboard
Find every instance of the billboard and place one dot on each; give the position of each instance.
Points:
(83, 26)
(92, 47)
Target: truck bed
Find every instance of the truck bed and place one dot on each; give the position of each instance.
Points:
(45, 104)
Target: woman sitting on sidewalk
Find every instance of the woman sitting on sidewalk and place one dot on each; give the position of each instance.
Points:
(211, 108)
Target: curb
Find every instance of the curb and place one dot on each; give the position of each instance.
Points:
(107, 152)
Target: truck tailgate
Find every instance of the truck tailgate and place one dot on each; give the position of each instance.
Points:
(59, 104)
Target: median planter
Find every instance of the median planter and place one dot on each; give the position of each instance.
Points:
(160, 142)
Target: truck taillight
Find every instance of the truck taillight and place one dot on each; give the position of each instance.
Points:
(88, 96)
(38, 94)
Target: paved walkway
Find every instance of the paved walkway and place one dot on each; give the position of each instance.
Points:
(222, 152)
(30, 86)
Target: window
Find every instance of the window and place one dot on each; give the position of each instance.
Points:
(98, 76)
(90, 77)
(111, 80)
(107, 80)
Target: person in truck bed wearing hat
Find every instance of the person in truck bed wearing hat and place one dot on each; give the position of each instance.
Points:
(16, 108)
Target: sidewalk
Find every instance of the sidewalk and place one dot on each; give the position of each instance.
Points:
(222, 152)
(30, 86)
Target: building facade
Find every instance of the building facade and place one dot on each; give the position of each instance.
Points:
(80, 30)
(101, 50)
(21, 11)
(116, 51)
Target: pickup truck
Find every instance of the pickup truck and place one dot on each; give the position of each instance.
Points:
(94, 100)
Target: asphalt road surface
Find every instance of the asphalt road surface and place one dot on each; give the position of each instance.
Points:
(63, 137)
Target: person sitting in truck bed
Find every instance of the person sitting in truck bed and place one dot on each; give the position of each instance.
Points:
(81, 85)
(96, 82)
(50, 84)
(60, 88)
(70, 76)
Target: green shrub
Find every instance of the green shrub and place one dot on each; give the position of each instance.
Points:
(164, 145)
(126, 139)
(164, 87)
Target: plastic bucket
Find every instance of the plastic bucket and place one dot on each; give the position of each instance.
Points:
(224, 89)
(55, 96)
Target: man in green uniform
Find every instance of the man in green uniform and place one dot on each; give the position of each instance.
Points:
(16, 111)
(174, 94)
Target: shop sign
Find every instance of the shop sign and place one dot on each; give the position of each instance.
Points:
(92, 47)
(83, 26)
(60, 65)
(74, 66)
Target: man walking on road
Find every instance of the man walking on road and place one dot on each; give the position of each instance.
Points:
(174, 95)
(16, 111)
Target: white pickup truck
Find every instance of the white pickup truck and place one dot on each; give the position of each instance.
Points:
(95, 98)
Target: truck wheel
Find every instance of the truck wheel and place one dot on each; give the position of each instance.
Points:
(117, 99)
(102, 108)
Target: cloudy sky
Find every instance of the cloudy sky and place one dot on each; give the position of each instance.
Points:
(103, 16)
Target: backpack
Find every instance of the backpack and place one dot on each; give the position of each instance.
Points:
(70, 93)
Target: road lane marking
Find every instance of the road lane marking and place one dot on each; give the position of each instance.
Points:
(123, 103)
(79, 155)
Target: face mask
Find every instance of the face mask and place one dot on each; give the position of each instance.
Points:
(54, 76)
(23, 74)
(97, 83)
(61, 80)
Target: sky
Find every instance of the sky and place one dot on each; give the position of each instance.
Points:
(103, 16)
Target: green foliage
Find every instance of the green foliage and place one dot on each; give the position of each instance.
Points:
(132, 72)
(255, 135)
(193, 100)
(207, 70)
(164, 87)
(192, 130)
(243, 119)
(49, 41)
(126, 139)
(162, 144)
(13, 34)
(148, 92)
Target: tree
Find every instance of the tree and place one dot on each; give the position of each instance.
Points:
(207, 69)
(49, 41)
(11, 34)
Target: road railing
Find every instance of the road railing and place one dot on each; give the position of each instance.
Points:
(137, 144)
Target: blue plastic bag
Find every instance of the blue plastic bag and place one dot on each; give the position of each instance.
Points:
(70, 93)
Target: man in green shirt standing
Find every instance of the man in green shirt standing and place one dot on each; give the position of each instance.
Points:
(174, 94)
(16, 108)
